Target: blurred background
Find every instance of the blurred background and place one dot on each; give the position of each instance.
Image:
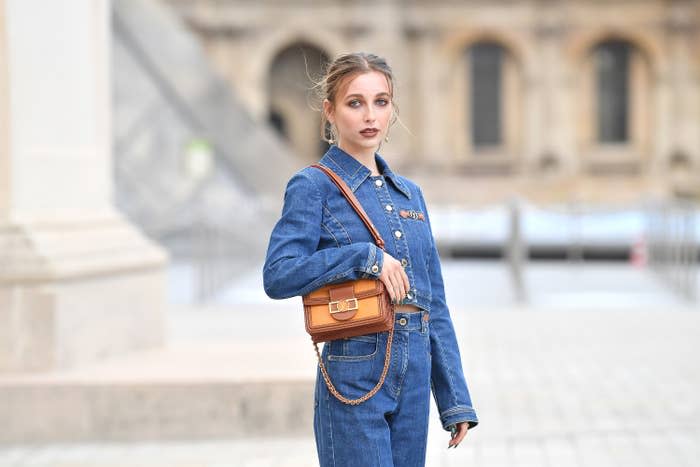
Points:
(144, 150)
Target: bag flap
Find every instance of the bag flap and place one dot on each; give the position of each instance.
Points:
(345, 290)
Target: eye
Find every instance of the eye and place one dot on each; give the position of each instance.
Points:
(353, 102)
(382, 102)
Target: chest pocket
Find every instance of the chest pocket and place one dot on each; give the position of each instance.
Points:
(417, 231)
(332, 230)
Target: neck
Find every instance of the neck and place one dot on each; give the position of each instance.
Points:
(364, 157)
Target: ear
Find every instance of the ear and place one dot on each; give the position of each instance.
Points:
(328, 110)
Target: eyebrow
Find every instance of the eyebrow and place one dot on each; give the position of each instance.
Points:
(360, 95)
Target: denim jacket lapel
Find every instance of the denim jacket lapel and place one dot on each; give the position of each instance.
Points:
(354, 172)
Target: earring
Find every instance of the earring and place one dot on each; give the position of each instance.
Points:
(386, 138)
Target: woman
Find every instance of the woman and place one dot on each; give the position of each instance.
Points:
(320, 239)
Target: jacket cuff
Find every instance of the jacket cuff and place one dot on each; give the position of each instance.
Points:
(375, 261)
(461, 413)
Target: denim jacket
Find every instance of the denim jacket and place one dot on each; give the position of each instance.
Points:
(320, 239)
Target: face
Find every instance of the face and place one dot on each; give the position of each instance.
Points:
(364, 103)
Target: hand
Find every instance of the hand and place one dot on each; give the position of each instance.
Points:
(394, 278)
(462, 428)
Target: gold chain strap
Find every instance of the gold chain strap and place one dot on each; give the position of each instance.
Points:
(360, 400)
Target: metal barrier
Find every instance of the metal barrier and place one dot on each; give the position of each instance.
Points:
(206, 256)
(672, 236)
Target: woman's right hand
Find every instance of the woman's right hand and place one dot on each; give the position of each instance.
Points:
(394, 278)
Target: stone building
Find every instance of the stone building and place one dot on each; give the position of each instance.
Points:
(595, 101)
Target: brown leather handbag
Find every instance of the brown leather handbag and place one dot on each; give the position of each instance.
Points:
(350, 308)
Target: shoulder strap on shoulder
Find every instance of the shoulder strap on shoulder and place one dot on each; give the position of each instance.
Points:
(350, 196)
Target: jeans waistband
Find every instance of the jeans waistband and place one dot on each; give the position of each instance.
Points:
(411, 320)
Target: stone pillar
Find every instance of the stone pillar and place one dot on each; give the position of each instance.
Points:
(431, 103)
(77, 281)
(682, 45)
(554, 128)
(382, 33)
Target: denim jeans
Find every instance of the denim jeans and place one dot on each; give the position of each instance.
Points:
(390, 429)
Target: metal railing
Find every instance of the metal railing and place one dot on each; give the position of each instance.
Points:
(672, 238)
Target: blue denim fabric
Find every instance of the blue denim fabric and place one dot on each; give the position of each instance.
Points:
(320, 239)
(391, 428)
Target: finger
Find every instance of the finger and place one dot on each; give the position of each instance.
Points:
(401, 289)
(396, 288)
(387, 285)
(462, 429)
(404, 277)
(386, 280)
(390, 289)
(460, 436)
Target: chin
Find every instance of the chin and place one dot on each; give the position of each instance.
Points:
(368, 144)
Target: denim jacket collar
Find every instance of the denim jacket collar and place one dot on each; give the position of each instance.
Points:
(353, 172)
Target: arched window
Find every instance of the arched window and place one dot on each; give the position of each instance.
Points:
(485, 126)
(277, 121)
(292, 100)
(612, 74)
(615, 107)
(486, 96)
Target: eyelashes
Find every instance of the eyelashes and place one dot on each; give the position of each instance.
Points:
(381, 102)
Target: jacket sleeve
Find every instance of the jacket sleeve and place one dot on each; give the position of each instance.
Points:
(293, 266)
(447, 379)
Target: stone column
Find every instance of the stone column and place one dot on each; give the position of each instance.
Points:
(430, 103)
(556, 127)
(382, 33)
(77, 281)
(682, 44)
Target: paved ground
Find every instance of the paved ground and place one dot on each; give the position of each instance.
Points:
(599, 370)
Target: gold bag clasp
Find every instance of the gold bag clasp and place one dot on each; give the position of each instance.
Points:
(341, 306)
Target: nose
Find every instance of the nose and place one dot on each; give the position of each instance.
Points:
(369, 115)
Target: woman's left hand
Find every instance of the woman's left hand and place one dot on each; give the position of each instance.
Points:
(462, 428)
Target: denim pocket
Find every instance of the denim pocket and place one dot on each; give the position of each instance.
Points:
(353, 349)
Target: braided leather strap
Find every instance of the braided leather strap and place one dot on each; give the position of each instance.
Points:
(373, 391)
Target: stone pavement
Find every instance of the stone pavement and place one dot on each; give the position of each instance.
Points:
(605, 375)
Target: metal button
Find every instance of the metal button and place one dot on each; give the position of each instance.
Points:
(409, 295)
(397, 233)
(378, 182)
(404, 262)
(375, 268)
(402, 321)
(388, 207)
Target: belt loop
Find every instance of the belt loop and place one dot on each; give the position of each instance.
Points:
(423, 321)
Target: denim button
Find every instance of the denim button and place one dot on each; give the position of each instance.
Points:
(397, 234)
(375, 268)
(388, 207)
(404, 262)
(402, 321)
(378, 182)
(409, 295)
